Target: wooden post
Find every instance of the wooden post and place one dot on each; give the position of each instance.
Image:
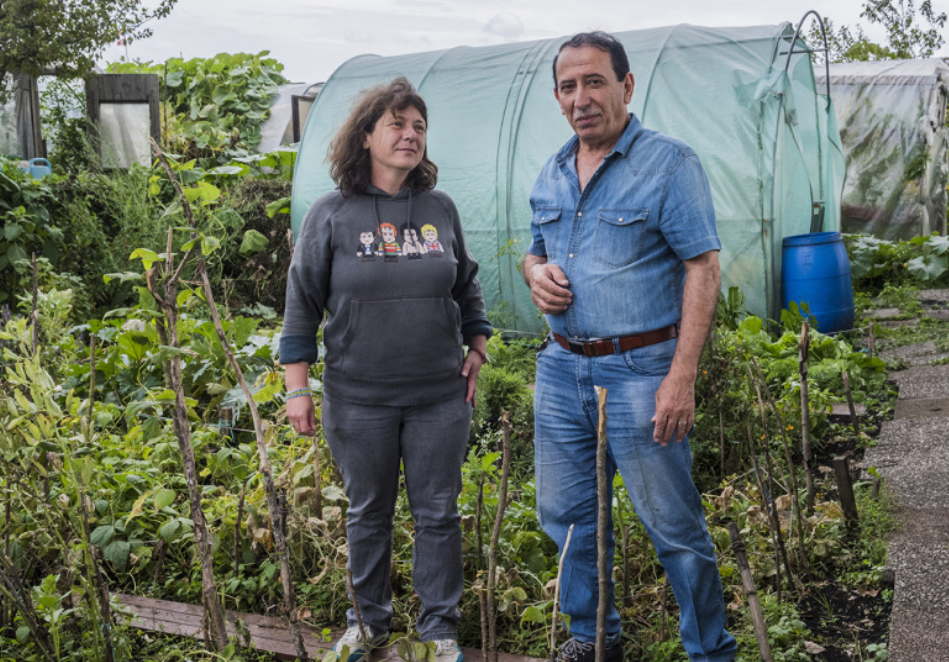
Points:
(853, 410)
(845, 490)
(748, 582)
(603, 517)
(872, 342)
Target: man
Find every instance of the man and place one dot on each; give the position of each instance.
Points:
(624, 262)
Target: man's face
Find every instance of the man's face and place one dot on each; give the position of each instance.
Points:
(388, 235)
(591, 98)
(365, 237)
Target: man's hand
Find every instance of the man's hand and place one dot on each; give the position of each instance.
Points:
(675, 408)
(302, 414)
(549, 286)
(675, 399)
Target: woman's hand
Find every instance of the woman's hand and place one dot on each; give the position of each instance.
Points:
(302, 414)
(300, 410)
(472, 366)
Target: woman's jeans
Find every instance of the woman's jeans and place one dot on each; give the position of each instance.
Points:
(368, 443)
(657, 478)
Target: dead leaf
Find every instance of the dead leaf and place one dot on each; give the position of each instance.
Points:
(812, 648)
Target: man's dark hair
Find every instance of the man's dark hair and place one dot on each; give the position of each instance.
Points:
(601, 41)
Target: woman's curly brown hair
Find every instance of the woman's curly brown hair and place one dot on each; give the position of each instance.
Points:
(350, 164)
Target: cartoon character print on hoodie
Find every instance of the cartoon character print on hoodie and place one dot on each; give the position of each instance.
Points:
(412, 248)
(406, 315)
(388, 246)
(366, 250)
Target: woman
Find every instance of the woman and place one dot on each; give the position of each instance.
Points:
(397, 386)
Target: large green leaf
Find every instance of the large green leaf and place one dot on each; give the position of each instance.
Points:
(118, 553)
(253, 242)
(928, 267)
(102, 535)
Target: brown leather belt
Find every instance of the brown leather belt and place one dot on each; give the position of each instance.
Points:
(605, 346)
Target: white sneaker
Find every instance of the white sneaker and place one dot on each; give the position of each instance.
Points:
(446, 650)
(357, 646)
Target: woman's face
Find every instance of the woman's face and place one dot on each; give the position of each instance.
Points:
(396, 144)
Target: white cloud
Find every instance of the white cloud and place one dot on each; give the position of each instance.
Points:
(505, 25)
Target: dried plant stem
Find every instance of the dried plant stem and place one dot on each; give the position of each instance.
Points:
(804, 347)
(792, 476)
(767, 503)
(35, 315)
(92, 385)
(265, 470)
(747, 580)
(496, 536)
(352, 592)
(237, 531)
(853, 409)
(602, 520)
(317, 481)
(553, 620)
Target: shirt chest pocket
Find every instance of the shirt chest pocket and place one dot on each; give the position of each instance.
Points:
(548, 220)
(619, 235)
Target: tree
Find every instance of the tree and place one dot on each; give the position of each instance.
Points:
(67, 34)
(906, 38)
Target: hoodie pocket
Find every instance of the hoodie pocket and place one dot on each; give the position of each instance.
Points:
(406, 338)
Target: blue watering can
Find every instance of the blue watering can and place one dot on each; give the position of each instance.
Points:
(37, 168)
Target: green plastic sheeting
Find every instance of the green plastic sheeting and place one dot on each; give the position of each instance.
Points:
(767, 138)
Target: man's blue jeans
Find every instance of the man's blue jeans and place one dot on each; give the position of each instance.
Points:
(657, 478)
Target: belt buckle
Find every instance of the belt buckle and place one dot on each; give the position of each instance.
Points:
(577, 346)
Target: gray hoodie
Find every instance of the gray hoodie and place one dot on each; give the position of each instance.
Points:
(401, 292)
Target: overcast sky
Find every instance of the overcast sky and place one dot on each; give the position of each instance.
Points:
(313, 38)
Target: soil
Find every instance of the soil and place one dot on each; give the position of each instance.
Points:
(844, 620)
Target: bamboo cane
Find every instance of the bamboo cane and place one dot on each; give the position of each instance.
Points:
(748, 581)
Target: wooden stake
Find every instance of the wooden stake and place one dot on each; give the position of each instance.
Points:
(804, 348)
(553, 620)
(845, 489)
(603, 517)
(748, 582)
(496, 536)
(853, 410)
(317, 481)
(181, 422)
(662, 610)
(872, 341)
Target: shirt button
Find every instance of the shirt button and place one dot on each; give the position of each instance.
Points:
(579, 213)
(620, 219)
(571, 255)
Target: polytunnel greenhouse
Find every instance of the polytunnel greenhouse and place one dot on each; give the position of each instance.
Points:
(766, 137)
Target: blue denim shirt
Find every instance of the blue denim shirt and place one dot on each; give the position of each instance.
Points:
(622, 242)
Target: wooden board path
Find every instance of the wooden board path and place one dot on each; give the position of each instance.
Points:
(266, 632)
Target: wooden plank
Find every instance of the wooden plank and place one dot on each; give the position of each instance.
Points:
(267, 633)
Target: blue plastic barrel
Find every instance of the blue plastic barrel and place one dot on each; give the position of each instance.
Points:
(815, 271)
